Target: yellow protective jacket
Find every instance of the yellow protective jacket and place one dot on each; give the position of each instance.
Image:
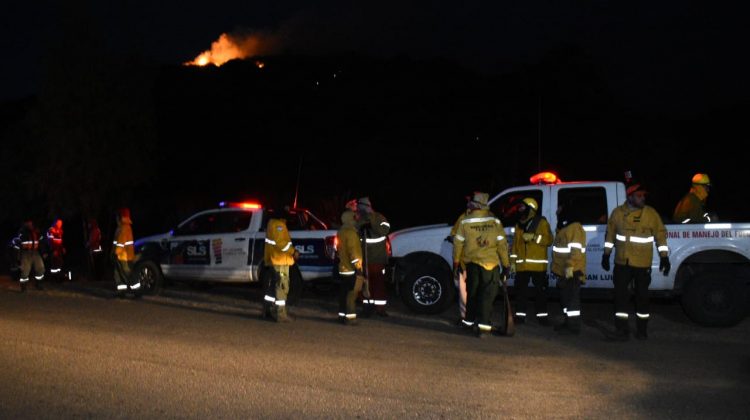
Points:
(123, 243)
(632, 232)
(454, 229)
(531, 255)
(349, 245)
(569, 250)
(691, 208)
(278, 248)
(480, 239)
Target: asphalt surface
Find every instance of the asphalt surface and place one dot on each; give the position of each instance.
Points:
(75, 351)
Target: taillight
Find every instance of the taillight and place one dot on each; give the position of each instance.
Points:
(388, 247)
(331, 245)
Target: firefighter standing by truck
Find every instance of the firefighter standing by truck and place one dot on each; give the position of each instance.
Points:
(569, 267)
(374, 228)
(528, 259)
(481, 246)
(27, 242)
(350, 267)
(279, 255)
(692, 207)
(124, 254)
(632, 230)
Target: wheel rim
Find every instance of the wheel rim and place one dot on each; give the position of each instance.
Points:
(427, 290)
(717, 300)
(146, 277)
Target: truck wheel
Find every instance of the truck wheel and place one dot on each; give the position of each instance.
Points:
(427, 289)
(150, 277)
(714, 299)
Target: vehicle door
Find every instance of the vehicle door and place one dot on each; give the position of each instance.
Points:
(589, 205)
(211, 246)
(231, 245)
(189, 248)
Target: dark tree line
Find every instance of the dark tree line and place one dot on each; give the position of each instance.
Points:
(110, 129)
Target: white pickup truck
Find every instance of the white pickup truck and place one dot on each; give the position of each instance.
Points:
(710, 262)
(225, 245)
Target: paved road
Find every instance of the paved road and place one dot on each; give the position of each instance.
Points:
(74, 351)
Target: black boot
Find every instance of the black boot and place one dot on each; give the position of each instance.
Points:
(266, 314)
(640, 332)
(367, 310)
(622, 331)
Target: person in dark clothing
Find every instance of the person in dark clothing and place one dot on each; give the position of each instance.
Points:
(692, 207)
(374, 229)
(27, 242)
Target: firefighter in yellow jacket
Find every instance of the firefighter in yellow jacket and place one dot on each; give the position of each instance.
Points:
(569, 267)
(350, 267)
(278, 255)
(480, 248)
(459, 276)
(124, 255)
(632, 230)
(528, 258)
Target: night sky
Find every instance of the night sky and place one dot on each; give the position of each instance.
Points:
(667, 72)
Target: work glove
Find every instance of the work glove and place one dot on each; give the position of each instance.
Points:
(449, 238)
(578, 275)
(664, 265)
(527, 237)
(568, 272)
(295, 255)
(504, 276)
(605, 262)
(512, 270)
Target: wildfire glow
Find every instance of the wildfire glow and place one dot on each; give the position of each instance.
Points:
(227, 47)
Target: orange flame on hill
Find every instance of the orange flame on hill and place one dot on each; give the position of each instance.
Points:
(227, 47)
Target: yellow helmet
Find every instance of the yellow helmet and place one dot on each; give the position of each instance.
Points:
(701, 179)
(531, 203)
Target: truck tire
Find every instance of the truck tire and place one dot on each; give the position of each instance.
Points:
(715, 299)
(149, 275)
(427, 289)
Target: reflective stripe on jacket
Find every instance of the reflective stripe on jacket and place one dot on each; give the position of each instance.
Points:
(350, 250)
(569, 249)
(633, 233)
(690, 210)
(123, 243)
(532, 255)
(375, 235)
(480, 239)
(278, 249)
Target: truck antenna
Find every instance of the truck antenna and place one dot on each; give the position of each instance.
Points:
(539, 135)
(296, 189)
